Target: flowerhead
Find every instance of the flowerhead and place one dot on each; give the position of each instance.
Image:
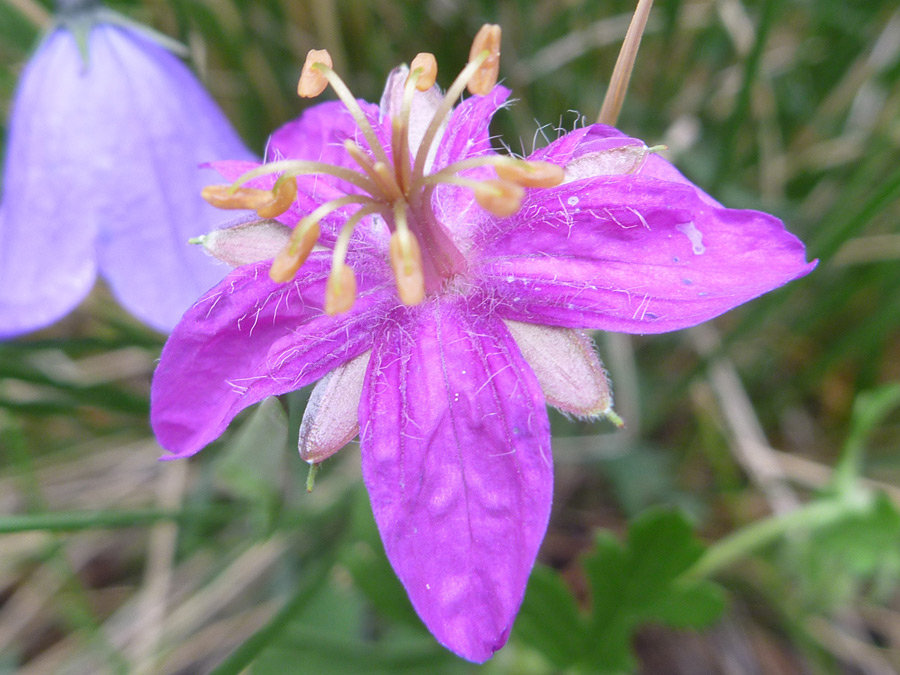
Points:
(102, 174)
(435, 289)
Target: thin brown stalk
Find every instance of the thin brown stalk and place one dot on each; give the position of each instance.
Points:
(618, 84)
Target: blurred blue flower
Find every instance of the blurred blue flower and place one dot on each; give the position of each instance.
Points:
(106, 135)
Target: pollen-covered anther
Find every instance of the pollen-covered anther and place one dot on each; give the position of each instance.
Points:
(427, 64)
(486, 40)
(340, 291)
(291, 257)
(500, 197)
(284, 193)
(531, 174)
(406, 261)
(226, 197)
(312, 80)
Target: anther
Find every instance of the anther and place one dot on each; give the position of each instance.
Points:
(340, 291)
(226, 197)
(531, 174)
(406, 261)
(292, 256)
(428, 66)
(285, 192)
(500, 197)
(312, 80)
(486, 40)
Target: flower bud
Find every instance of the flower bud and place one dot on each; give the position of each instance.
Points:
(246, 242)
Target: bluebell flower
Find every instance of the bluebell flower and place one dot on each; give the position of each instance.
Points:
(106, 138)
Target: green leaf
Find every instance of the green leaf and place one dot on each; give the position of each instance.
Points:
(837, 562)
(639, 582)
(631, 584)
(549, 620)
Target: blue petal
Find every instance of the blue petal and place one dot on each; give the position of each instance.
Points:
(103, 170)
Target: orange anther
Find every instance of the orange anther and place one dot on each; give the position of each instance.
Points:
(487, 39)
(224, 197)
(500, 197)
(292, 256)
(340, 292)
(285, 191)
(428, 64)
(312, 80)
(531, 174)
(406, 261)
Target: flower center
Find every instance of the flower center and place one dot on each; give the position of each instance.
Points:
(422, 252)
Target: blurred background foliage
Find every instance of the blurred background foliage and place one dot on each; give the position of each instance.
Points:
(771, 435)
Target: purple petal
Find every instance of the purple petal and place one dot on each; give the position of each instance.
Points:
(467, 135)
(580, 142)
(598, 138)
(249, 338)
(633, 255)
(456, 457)
(468, 132)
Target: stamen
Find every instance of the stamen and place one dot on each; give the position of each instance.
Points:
(387, 177)
(229, 197)
(531, 174)
(406, 261)
(312, 82)
(443, 110)
(285, 190)
(382, 189)
(266, 203)
(344, 93)
(291, 257)
(498, 196)
(340, 293)
(400, 125)
(305, 235)
(487, 39)
(428, 66)
(520, 171)
(299, 167)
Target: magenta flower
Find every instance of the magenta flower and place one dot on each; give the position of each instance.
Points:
(102, 174)
(448, 391)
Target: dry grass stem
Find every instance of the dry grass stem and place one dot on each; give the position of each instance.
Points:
(618, 83)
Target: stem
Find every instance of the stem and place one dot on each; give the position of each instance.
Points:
(760, 534)
(70, 521)
(618, 83)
